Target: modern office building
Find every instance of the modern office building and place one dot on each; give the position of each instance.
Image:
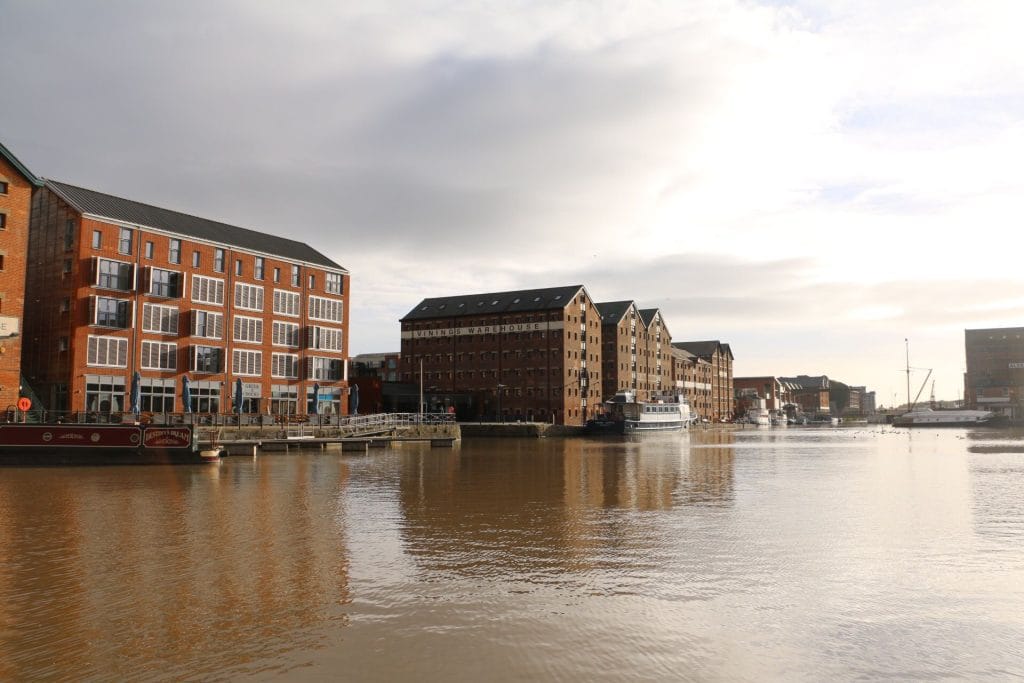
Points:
(117, 287)
(532, 354)
(995, 370)
(17, 185)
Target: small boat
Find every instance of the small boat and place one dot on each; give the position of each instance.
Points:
(625, 414)
(99, 444)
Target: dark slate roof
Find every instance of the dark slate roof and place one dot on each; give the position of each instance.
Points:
(126, 211)
(647, 315)
(807, 381)
(22, 168)
(701, 349)
(612, 311)
(495, 302)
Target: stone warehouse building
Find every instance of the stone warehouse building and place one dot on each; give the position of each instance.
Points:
(117, 287)
(532, 354)
(17, 185)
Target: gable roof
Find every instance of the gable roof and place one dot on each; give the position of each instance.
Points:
(21, 168)
(108, 207)
(613, 311)
(517, 301)
(704, 349)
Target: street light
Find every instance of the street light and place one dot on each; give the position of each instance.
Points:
(501, 390)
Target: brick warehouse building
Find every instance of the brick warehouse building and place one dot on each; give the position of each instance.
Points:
(116, 286)
(531, 354)
(995, 370)
(635, 348)
(719, 356)
(17, 185)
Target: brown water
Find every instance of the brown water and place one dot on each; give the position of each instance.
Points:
(773, 554)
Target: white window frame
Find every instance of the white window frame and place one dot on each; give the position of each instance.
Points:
(118, 346)
(163, 351)
(194, 362)
(287, 303)
(251, 358)
(312, 372)
(173, 316)
(315, 335)
(245, 302)
(96, 274)
(333, 283)
(194, 323)
(252, 328)
(316, 309)
(149, 283)
(284, 365)
(214, 286)
(283, 333)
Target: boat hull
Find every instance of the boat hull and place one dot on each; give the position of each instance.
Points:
(89, 444)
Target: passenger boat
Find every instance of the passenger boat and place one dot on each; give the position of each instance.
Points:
(926, 417)
(625, 414)
(101, 444)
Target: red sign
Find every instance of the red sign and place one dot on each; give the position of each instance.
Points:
(167, 437)
(24, 403)
(75, 436)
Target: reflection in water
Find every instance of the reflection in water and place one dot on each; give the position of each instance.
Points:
(749, 555)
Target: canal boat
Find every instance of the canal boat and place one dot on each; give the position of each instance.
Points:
(926, 417)
(626, 415)
(101, 444)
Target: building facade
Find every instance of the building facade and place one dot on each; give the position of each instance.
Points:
(634, 350)
(118, 287)
(719, 356)
(771, 389)
(533, 355)
(692, 376)
(17, 185)
(995, 370)
(810, 393)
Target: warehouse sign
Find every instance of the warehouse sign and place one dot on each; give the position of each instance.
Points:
(1017, 366)
(8, 326)
(481, 329)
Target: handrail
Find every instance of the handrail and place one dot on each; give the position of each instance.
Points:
(245, 420)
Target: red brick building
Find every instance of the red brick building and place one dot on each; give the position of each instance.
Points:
(634, 350)
(995, 370)
(720, 358)
(530, 354)
(692, 376)
(17, 185)
(811, 392)
(116, 286)
(771, 389)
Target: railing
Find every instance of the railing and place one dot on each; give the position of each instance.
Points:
(291, 424)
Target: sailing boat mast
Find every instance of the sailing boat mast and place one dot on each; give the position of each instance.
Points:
(907, 344)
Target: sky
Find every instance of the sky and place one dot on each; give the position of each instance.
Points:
(811, 182)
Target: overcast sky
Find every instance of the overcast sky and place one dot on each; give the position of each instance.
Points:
(812, 182)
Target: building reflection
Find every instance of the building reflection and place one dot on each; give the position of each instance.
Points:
(172, 569)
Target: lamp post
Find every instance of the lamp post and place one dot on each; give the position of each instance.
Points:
(501, 389)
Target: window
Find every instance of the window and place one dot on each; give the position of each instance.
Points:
(325, 309)
(205, 397)
(69, 234)
(3, 221)
(104, 393)
(248, 296)
(159, 355)
(124, 242)
(323, 368)
(160, 319)
(285, 334)
(218, 260)
(238, 266)
(97, 239)
(165, 283)
(62, 343)
(258, 268)
(157, 395)
(246, 362)
(284, 399)
(324, 338)
(295, 276)
(277, 274)
(174, 251)
(1, 261)
(107, 351)
(332, 283)
(248, 330)
(286, 303)
(284, 365)
(3, 187)
(207, 324)
(207, 290)
(312, 281)
(110, 274)
(109, 312)
(149, 250)
(195, 259)
(207, 359)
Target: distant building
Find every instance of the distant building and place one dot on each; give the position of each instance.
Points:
(995, 370)
(384, 366)
(719, 356)
(531, 354)
(17, 186)
(810, 393)
(771, 389)
(374, 374)
(692, 375)
(634, 350)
